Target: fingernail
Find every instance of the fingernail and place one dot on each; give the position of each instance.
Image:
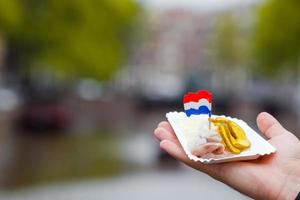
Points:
(165, 143)
(160, 124)
(156, 131)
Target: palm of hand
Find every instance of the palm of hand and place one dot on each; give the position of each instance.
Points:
(269, 177)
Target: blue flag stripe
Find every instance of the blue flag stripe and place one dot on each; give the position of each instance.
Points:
(200, 110)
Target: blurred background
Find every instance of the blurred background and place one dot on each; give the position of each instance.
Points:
(83, 85)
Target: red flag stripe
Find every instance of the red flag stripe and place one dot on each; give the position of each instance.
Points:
(195, 97)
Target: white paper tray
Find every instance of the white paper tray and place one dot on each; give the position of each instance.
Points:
(259, 146)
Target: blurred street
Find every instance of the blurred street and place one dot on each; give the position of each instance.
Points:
(83, 85)
(164, 184)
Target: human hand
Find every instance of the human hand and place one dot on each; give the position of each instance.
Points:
(276, 176)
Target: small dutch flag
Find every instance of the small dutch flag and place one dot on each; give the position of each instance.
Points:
(197, 103)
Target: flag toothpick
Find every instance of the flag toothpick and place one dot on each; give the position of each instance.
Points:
(198, 103)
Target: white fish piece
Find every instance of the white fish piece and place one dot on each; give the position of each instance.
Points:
(186, 129)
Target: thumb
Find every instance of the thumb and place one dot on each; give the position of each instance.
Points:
(269, 126)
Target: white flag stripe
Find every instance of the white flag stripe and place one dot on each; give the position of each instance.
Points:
(196, 105)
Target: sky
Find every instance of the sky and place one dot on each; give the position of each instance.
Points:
(196, 4)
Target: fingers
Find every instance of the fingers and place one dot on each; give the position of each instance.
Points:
(269, 126)
(171, 145)
(166, 126)
(174, 150)
(178, 153)
(164, 131)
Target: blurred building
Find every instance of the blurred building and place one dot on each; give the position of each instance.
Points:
(174, 56)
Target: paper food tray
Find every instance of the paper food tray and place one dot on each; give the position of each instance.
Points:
(259, 146)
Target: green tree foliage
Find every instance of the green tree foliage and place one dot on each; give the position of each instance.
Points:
(230, 44)
(277, 41)
(71, 38)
